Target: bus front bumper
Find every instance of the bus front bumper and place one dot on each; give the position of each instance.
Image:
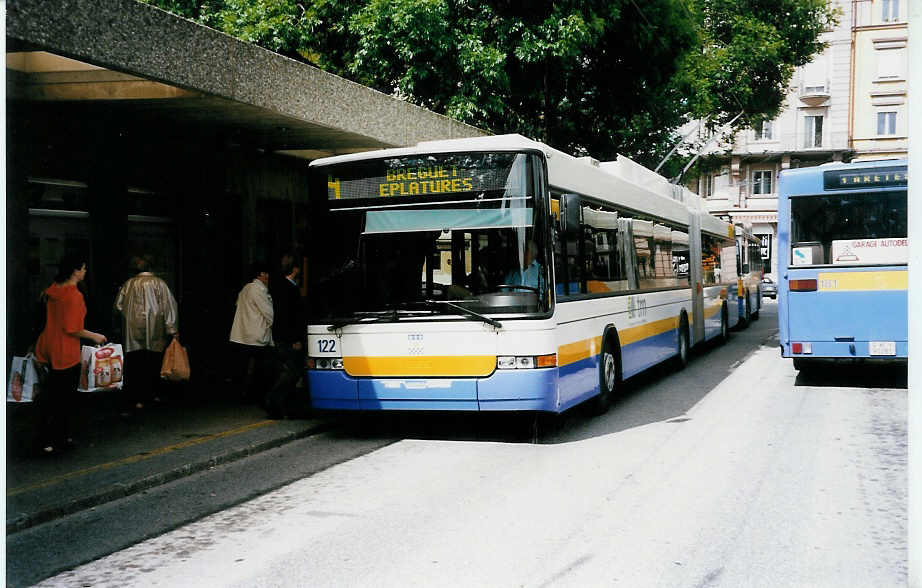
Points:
(503, 390)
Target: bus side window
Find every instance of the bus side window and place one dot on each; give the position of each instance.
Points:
(560, 256)
(728, 269)
(755, 258)
(604, 266)
(643, 251)
(739, 258)
(681, 258)
(710, 258)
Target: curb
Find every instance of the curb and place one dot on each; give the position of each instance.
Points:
(24, 521)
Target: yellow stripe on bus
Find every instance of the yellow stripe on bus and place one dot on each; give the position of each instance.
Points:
(857, 281)
(573, 352)
(641, 332)
(713, 309)
(411, 366)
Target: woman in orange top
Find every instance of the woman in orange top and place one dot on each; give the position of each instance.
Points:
(59, 346)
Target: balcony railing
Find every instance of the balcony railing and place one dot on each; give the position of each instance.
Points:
(746, 142)
(813, 93)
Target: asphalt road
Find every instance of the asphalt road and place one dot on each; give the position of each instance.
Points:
(736, 471)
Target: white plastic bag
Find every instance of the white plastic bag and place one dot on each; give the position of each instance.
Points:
(25, 382)
(101, 368)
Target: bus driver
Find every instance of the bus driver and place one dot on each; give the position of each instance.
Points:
(530, 274)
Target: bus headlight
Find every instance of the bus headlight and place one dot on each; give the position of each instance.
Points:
(324, 363)
(524, 362)
(505, 362)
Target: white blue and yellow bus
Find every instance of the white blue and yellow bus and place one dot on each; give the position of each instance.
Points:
(749, 267)
(842, 241)
(497, 273)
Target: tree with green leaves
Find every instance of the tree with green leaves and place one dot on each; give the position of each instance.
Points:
(589, 77)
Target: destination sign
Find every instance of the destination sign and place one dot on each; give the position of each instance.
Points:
(426, 176)
(878, 177)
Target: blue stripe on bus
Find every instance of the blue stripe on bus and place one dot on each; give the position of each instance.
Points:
(333, 390)
(644, 354)
(578, 381)
(504, 390)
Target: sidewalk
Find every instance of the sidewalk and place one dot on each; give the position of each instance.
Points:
(117, 456)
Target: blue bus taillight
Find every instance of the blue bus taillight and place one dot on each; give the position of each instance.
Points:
(803, 285)
(802, 348)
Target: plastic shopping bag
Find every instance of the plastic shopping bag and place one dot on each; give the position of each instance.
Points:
(26, 376)
(175, 366)
(101, 368)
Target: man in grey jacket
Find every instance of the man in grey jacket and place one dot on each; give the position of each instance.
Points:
(251, 334)
(149, 323)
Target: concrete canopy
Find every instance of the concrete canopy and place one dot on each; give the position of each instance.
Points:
(84, 60)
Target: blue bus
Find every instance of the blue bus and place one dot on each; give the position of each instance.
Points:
(842, 266)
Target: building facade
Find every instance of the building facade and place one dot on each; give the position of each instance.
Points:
(879, 124)
(848, 103)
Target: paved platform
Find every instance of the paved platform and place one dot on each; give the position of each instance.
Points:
(116, 456)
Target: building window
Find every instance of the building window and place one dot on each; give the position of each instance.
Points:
(886, 123)
(813, 131)
(762, 181)
(891, 64)
(815, 75)
(890, 10)
(764, 131)
(708, 185)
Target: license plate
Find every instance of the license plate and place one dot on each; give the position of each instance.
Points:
(882, 347)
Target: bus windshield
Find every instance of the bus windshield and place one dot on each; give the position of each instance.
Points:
(423, 235)
(849, 229)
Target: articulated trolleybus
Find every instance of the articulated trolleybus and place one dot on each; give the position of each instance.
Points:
(749, 265)
(843, 253)
(497, 273)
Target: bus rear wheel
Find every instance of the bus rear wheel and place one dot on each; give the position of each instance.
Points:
(802, 365)
(608, 380)
(681, 358)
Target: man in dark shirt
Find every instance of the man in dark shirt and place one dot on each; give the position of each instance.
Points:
(289, 333)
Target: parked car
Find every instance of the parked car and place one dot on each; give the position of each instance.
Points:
(769, 288)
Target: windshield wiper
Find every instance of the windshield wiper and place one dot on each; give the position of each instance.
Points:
(468, 312)
(392, 314)
(355, 318)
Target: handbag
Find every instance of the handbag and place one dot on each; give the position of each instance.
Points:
(175, 366)
(26, 379)
(101, 368)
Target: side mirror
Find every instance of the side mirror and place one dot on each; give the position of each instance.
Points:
(570, 211)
